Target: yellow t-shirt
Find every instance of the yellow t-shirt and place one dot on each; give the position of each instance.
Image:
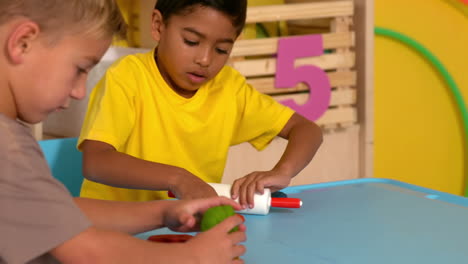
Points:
(133, 109)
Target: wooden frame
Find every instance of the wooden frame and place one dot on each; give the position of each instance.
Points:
(339, 63)
(347, 151)
(364, 21)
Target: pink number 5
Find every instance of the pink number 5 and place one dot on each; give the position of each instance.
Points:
(290, 49)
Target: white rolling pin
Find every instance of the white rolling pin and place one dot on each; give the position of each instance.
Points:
(262, 202)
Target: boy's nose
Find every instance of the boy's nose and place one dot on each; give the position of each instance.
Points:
(79, 92)
(203, 58)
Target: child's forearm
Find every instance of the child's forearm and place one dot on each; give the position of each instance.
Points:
(103, 164)
(304, 139)
(128, 217)
(103, 246)
(117, 169)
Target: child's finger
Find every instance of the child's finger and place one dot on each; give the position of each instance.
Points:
(235, 188)
(260, 187)
(229, 223)
(237, 237)
(242, 227)
(238, 250)
(245, 191)
(229, 201)
(251, 189)
(188, 221)
(238, 261)
(242, 197)
(183, 223)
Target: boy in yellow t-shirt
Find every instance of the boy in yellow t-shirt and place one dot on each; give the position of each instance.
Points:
(165, 120)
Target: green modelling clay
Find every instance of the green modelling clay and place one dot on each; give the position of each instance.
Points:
(216, 215)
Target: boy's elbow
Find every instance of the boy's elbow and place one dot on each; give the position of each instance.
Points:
(92, 166)
(94, 159)
(317, 132)
(88, 168)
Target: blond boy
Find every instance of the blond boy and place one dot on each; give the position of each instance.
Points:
(47, 49)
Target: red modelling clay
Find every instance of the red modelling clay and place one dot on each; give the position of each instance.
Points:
(170, 238)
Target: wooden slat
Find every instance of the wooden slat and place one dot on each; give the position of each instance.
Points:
(322, 23)
(299, 11)
(264, 67)
(331, 116)
(269, 46)
(343, 98)
(364, 25)
(267, 85)
(345, 115)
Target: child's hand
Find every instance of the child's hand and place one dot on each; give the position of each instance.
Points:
(217, 245)
(255, 182)
(189, 186)
(184, 215)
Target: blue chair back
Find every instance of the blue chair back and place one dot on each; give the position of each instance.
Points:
(65, 162)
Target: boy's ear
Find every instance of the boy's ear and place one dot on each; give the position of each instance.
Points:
(157, 24)
(20, 41)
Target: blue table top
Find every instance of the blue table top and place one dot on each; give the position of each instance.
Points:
(360, 221)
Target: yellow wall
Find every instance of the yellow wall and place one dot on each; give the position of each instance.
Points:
(418, 133)
(129, 11)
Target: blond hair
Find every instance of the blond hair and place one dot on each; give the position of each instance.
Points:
(101, 18)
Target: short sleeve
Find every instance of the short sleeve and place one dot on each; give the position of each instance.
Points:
(261, 118)
(37, 211)
(111, 112)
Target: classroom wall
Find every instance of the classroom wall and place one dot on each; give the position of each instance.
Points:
(418, 132)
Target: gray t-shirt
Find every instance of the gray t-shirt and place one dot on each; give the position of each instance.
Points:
(37, 213)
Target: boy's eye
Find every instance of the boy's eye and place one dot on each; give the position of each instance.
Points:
(81, 70)
(221, 51)
(190, 43)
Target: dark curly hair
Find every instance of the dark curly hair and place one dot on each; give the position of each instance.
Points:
(236, 9)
